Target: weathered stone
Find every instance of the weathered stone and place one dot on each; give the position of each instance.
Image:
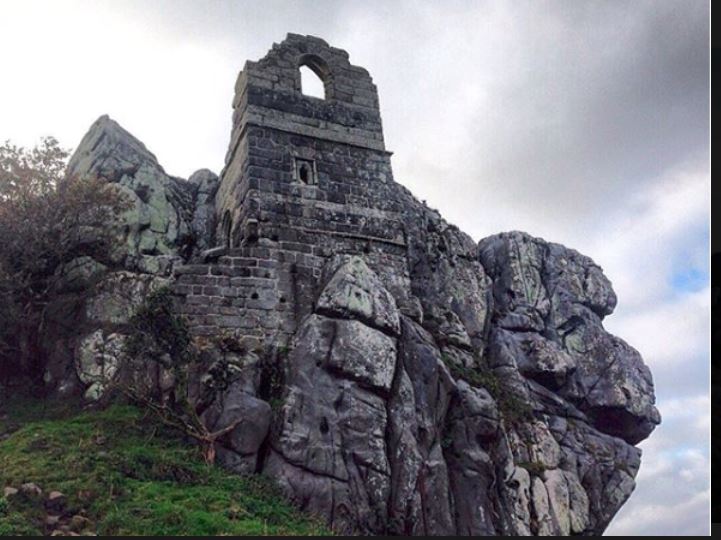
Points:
(252, 416)
(203, 222)
(332, 428)
(579, 503)
(355, 291)
(98, 360)
(119, 295)
(570, 351)
(545, 524)
(558, 500)
(31, 489)
(363, 354)
(159, 221)
(56, 501)
(473, 433)
(420, 383)
(79, 523)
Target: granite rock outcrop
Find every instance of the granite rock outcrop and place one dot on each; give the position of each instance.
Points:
(404, 379)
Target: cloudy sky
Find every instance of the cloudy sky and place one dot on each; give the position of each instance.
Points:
(582, 122)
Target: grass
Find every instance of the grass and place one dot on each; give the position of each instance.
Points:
(130, 476)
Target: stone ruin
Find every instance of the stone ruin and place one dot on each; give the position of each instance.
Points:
(424, 383)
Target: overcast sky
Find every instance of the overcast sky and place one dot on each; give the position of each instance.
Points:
(585, 123)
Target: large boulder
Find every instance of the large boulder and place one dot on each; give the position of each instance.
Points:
(169, 216)
(169, 221)
(159, 220)
(418, 431)
(551, 301)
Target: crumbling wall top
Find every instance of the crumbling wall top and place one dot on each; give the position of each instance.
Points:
(344, 82)
(268, 94)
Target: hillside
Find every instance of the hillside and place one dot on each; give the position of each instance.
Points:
(121, 473)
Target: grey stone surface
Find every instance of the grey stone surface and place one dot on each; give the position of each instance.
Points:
(551, 302)
(118, 295)
(408, 380)
(205, 184)
(355, 291)
(238, 450)
(158, 223)
(98, 359)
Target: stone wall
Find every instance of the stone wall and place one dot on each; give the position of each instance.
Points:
(280, 229)
(274, 125)
(260, 293)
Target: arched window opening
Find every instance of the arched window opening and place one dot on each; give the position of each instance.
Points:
(311, 84)
(305, 171)
(227, 229)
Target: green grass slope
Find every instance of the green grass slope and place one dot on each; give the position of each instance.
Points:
(124, 474)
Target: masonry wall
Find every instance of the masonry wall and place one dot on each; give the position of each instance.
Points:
(350, 197)
(263, 291)
(279, 230)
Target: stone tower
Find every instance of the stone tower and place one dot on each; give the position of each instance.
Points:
(301, 170)
(305, 180)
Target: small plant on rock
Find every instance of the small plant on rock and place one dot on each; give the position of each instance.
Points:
(512, 408)
(160, 338)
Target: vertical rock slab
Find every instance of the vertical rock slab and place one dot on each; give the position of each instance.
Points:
(332, 424)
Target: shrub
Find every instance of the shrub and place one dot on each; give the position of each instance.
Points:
(160, 336)
(512, 408)
(46, 220)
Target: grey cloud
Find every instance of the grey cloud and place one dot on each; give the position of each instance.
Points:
(609, 101)
(672, 489)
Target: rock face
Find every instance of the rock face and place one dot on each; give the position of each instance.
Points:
(169, 221)
(407, 380)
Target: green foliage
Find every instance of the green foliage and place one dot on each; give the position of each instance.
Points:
(134, 476)
(46, 221)
(512, 408)
(480, 378)
(158, 334)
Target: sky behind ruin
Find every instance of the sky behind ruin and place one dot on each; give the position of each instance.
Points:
(585, 123)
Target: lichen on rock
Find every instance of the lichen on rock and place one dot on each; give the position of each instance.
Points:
(407, 379)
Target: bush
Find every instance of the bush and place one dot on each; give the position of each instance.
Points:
(46, 220)
(159, 336)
